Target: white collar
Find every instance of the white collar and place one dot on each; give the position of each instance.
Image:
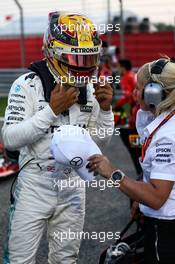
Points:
(150, 128)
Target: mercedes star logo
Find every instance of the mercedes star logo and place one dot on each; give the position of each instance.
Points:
(76, 162)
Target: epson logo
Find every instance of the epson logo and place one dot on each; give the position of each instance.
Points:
(84, 50)
(16, 108)
(163, 150)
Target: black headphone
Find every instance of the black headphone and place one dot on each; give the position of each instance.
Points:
(154, 92)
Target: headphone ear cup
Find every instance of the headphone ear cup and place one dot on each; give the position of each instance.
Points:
(153, 94)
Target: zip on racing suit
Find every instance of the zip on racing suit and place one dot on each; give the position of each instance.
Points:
(28, 126)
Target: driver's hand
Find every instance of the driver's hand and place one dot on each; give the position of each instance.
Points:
(62, 99)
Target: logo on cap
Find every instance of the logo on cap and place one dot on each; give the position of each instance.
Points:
(67, 171)
(76, 162)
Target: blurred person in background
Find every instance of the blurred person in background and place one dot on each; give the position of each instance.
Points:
(123, 100)
(127, 82)
(105, 68)
(38, 103)
(115, 73)
(133, 111)
(155, 194)
(109, 61)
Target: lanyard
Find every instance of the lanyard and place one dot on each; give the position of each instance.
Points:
(149, 139)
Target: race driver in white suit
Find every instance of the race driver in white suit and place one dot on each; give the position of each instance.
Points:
(39, 103)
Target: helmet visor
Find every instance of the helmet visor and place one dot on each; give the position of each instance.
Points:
(80, 60)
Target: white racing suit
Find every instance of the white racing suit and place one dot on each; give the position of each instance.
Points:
(28, 127)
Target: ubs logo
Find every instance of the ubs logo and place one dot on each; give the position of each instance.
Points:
(76, 162)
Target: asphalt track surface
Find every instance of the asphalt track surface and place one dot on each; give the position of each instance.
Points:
(106, 210)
